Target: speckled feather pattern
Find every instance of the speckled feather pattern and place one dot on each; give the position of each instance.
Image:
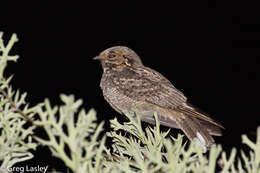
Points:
(126, 84)
(143, 84)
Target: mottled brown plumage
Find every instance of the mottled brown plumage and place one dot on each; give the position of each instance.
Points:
(127, 84)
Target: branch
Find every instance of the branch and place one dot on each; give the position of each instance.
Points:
(15, 107)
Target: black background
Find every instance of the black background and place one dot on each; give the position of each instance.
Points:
(208, 49)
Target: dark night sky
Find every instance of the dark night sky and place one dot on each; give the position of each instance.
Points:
(208, 50)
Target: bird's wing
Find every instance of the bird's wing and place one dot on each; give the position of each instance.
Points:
(145, 84)
(180, 101)
(204, 119)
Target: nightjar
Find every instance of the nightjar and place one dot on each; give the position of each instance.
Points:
(126, 84)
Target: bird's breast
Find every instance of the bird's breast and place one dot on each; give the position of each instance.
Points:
(113, 96)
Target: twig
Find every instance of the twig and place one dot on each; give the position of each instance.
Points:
(15, 107)
(112, 157)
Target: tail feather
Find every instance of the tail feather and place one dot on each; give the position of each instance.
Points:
(193, 129)
(191, 111)
(211, 128)
(189, 120)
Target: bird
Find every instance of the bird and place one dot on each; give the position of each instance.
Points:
(128, 85)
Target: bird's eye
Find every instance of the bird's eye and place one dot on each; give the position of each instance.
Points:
(128, 59)
(111, 54)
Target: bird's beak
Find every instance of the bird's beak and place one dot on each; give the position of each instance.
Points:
(97, 58)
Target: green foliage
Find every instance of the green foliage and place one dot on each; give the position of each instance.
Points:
(15, 139)
(80, 137)
(4, 50)
(74, 136)
(154, 151)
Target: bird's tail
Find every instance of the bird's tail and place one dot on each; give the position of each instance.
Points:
(194, 129)
(193, 123)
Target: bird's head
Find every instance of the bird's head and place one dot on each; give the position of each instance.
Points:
(119, 57)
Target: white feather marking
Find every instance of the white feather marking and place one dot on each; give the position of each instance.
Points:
(185, 104)
(201, 141)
